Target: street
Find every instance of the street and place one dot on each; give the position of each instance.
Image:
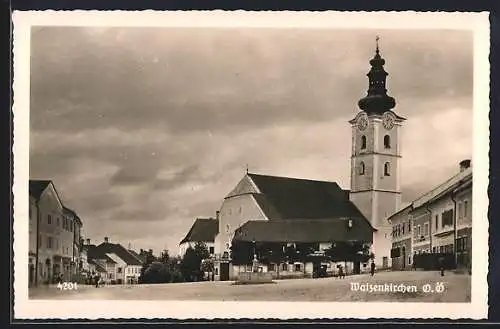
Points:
(455, 288)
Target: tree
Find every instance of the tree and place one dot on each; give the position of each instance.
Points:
(190, 266)
(241, 252)
(200, 248)
(348, 251)
(164, 256)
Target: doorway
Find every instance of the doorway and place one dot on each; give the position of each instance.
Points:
(224, 271)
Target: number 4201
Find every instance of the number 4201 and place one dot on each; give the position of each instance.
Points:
(67, 286)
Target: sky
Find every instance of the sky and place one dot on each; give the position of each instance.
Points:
(144, 129)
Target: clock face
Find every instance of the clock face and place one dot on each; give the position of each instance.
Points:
(362, 123)
(388, 121)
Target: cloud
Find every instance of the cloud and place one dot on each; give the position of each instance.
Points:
(140, 140)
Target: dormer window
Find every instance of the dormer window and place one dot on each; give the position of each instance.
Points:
(363, 142)
(387, 141)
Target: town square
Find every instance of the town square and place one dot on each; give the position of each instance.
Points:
(457, 290)
(251, 164)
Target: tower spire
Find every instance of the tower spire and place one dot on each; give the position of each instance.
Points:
(377, 100)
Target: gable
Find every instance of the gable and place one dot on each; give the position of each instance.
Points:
(245, 186)
(51, 194)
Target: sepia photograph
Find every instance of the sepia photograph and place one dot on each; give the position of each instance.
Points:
(315, 159)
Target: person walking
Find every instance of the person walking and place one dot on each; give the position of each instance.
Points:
(341, 272)
(372, 268)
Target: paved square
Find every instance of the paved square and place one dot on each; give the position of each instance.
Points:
(456, 288)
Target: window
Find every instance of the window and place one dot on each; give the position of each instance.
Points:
(297, 267)
(211, 250)
(402, 229)
(49, 242)
(409, 226)
(447, 218)
(433, 249)
(460, 210)
(418, 231)
(71, 226)
(466, 209)
(361, 168)
(49, 219)
(58, 221)
(437, 222)
(363, 142)
(119, 269)
(272, 267)
(284, 267)
(387, 141)
(387, 169)
(216, 271)
(409, 260)
(426, 229)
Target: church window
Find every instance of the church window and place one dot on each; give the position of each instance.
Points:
(363, 142)
(362, 168)
(387, 169)
(466, 209)
(387, 141)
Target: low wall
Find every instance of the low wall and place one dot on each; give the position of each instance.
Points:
(254, 278)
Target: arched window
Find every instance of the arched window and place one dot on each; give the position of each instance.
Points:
(363, 142)
(387, 141)
(361, 168)
(387, 169)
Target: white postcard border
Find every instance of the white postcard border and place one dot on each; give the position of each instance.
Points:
(58, 309)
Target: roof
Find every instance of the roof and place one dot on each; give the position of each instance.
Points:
(36, 187)
(403, 209)
(118, 250)
(203, 229)
(295, 198)
(98, 267)
(305, 230)
(73, 213)
(93, 253)
(136, 255)
(444, 188)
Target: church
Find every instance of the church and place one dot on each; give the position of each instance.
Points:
(268, 210)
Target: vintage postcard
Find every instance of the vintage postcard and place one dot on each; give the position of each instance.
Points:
(288, 165)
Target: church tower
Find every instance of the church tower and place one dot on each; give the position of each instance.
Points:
(375, 160)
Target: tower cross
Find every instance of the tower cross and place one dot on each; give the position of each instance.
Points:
(377, 38)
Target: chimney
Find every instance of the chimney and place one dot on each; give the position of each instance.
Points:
(465, 164)
(88, 241)
(106, 239)
(217, 214)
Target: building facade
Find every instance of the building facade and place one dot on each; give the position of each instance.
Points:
(286, 211)
(401, 252)
(203, 230)
(441, 220)
(376, 159)
(117, 264)
(54, 235)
